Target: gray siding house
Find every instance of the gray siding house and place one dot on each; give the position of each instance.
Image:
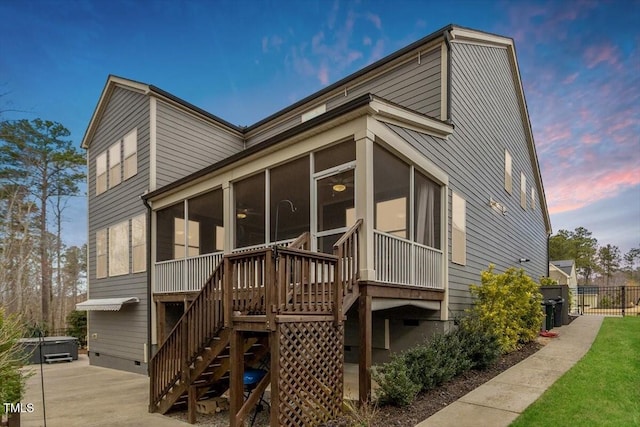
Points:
(423, 162)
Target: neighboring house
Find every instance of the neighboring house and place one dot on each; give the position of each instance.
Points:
(425, 159)
(564, 272)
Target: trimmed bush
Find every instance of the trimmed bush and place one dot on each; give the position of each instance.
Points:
(396, 387)
(480, 344)
(510, 305)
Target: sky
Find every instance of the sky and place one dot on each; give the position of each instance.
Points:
(244, 60)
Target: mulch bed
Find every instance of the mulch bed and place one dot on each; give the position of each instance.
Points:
(427, 404)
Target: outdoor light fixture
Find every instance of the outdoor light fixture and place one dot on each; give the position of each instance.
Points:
(521, 260)
(241, 215)
(497, 206)
(339, 188)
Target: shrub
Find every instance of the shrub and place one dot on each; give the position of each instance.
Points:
(548, 281)
(11, 359)
(510, 305)
(395, 385)
(77, 326)
(480, 344)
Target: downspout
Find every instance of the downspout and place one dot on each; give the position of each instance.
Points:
(548, 247)
(149, 294)
(447, 42)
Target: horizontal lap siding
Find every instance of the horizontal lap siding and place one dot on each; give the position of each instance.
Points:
(186, 144)
(486, 115)
(123, 333)
(413, 85)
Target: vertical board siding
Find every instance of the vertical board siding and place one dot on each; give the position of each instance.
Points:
(486, 114)
(123, 333)
(186, 144)
(413, 85)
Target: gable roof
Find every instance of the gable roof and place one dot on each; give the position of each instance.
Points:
(448, 33)
(146, 89)
(566, 265)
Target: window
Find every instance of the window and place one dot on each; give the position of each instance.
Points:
(101, 173)
(193, 240)
(130, 154)
(289, 182)
(523, 190)
(101, 254)
(114, 165)
(119, 249)
(458, 229)
(508, 180)
(533, 198)
(138, 244)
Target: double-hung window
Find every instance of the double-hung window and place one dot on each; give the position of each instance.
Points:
(115, 175)
(101, 173)
(130, 149)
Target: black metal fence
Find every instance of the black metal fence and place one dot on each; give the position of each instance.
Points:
(608, 300)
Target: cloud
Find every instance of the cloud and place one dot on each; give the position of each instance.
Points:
(338, 46)
(271, 43)
(374, 19)
(570, 78)
(603, 53)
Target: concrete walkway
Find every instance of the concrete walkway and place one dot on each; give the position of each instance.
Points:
(501, 400)
(77, 394)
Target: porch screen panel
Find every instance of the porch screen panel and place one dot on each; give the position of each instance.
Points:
(339, 154)
(391, 193)
(249, 221)
(336, 201)
(205, 222)
(427, 211)
(289, 182)
(168, 236)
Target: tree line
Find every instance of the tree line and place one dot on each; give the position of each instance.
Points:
(593, 260)
(41, 278)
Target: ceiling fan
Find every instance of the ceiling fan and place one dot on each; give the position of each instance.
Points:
(339, 183)
(242, 213)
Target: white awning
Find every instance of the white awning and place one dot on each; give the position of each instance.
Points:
(105, 304)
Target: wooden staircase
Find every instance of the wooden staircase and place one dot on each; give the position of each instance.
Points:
(235, 313)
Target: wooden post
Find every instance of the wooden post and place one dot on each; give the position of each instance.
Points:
(191, 404)
(227, 292)
(271, 290)
(338, 286)
(364, 374)
(236, 384)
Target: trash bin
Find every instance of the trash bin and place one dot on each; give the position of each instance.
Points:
(549, 308)
(557, 312)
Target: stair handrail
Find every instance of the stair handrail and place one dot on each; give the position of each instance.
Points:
(200, 323)
(303, 241)
(347, 249)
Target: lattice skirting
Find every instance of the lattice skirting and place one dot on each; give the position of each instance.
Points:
(310, 372)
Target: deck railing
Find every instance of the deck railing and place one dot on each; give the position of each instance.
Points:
(196, 328)
(403, 262)
(347, 249)
(305, 282)
(186, 274)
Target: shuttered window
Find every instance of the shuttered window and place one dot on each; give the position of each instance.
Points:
(101, 254)
(101, 173)
(138, 244)
(119, 249)
(115, 175)
(523, 190)
(130, 144)
(508, 177)
(458, 229)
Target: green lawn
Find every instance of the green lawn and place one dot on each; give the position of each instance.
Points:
(603, 389)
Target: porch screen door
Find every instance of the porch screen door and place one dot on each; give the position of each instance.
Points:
(335, 206)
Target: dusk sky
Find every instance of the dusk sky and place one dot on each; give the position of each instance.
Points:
(244, 60)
